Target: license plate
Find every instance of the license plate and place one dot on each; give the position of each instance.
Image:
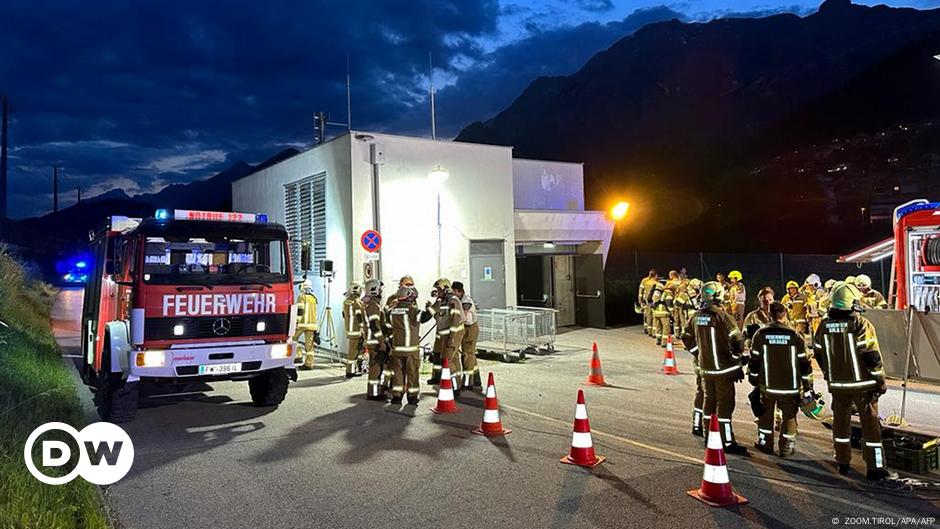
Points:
(219, 369)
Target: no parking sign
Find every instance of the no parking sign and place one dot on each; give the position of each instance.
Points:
(371, 241)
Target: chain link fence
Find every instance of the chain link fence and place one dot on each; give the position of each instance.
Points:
(623, 274)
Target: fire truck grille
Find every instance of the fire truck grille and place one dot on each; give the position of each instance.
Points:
(214, 327)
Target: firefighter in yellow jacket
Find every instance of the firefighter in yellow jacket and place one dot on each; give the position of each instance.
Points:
(353, 318)
(795, 303)
(375, 343)
(781, 372)
(448, 315)
(307, 323)
(683, 305)
(849, 357)
(644, 294)
(871, 298)
(713, 336)
(405, 358)
(737, 297)
(660, 310)
(468, 346)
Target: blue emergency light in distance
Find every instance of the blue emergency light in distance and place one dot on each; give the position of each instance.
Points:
(81, 264)
(261, 217)
(162, 214)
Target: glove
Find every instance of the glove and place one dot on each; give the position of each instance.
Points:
(739, 375)
(757, 403)
(751, 330)
(316, 338)
(882, 387)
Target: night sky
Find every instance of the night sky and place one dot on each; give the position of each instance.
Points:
(138, 95)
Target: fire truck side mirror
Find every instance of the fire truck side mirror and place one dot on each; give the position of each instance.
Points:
(305, 260)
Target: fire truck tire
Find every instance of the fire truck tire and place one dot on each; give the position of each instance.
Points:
(268, 389)
(115, 401)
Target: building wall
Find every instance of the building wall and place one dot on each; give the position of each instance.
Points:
(540, 184)
(476, 204)
(263, 192)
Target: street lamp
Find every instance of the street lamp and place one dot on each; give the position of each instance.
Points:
(619, 211)
(438, 176)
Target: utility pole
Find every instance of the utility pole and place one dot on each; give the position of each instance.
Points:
(55, 188)
(5, 118)
(79, 190)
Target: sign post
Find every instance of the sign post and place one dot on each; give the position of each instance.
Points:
(371, 241)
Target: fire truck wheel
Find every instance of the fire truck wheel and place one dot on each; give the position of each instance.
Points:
(268, 389)
(115, 401)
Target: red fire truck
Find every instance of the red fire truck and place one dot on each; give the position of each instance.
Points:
(187, 296)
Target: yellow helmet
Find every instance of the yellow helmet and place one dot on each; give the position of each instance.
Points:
(695, 283)
(829, 284)
(850, 280)
(792, 284)
(845, 296)
(863, 281)
(442, 286)
(736, 275)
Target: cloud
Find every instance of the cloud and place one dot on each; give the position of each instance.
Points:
(178, 163)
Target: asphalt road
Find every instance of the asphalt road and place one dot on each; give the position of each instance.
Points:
(329, 458)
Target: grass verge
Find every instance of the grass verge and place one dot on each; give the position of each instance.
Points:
(35, 388)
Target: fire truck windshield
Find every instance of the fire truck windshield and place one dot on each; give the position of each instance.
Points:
(183, 260)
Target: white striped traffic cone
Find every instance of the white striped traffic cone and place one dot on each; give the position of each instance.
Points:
(445, 394)
(491, 425)
(716, 486)
(582, 446)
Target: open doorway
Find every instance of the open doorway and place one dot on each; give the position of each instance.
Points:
(548, 281)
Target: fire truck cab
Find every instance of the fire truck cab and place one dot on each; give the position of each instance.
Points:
(187, 296)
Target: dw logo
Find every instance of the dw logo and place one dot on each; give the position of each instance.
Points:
(105, 453)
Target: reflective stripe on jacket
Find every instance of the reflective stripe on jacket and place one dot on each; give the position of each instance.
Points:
(848, 354)
(778, 362)
(353, 317)
(713, 336)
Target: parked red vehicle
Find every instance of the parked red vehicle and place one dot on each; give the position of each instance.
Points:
(187, 296)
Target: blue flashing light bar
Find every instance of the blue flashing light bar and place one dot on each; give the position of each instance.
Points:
(162, 214)
(261, 218)
(917, 207)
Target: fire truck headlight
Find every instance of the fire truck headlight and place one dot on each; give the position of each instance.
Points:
(281, 350)
(179, 329)
(260, 327)
(151, 359)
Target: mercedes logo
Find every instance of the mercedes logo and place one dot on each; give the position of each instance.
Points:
(221, 326)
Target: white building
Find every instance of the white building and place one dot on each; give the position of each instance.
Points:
(514, 231)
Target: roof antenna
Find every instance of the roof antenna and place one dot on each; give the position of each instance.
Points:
(431, 93)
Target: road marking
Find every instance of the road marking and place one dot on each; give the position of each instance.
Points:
(684, 457)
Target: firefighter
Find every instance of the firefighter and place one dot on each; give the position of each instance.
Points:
(714, 338)
(468, 347)
(737, 297)
(682, 306)
(871, 298)
(643, 297)
(659, 308)
(822, 298)
(795, 303)
(353, 318)
(759, 317)
(375, 344)
(405, 357)
(307, 323)
(850, 280)
(848, 355)
(811, 291)
(780, 371)
(448, 315)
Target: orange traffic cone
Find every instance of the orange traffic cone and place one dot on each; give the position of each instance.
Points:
(669, 359)
(582, 446)
(596, 378)
(716, 487)
(445, 394)
(491, 425)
